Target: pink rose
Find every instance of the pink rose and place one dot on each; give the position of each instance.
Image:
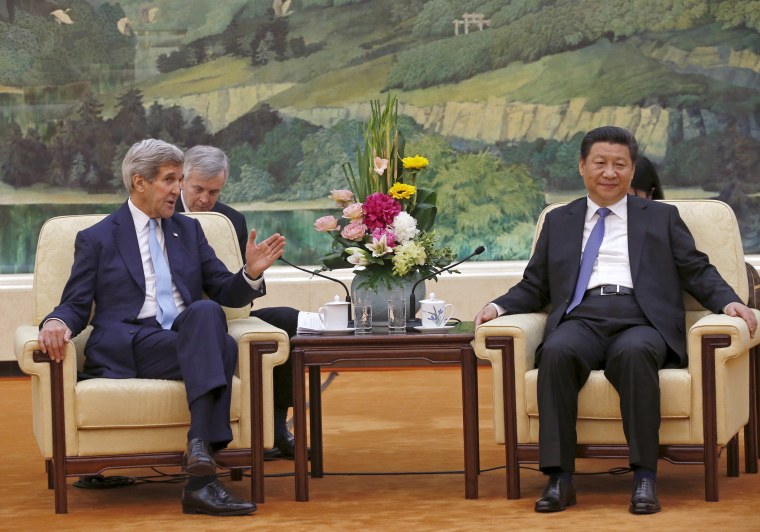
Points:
(354, 231)
(341, 197)
(326, 223)
(353, 211)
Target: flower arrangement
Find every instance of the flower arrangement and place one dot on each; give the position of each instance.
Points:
(386, 224)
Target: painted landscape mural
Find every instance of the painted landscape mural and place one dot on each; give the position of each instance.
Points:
(495, 93)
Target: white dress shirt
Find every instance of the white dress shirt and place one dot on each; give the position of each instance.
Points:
(613, 265)
(141, 220)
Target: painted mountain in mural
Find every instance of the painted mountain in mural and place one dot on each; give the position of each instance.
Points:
(487, 88)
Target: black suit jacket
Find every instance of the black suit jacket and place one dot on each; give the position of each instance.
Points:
(108, 271)
(663, 258)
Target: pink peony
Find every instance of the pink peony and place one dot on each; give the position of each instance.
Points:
(380, 210)
(354, 231)
(341, 197)
(353, 211)
(326, 223)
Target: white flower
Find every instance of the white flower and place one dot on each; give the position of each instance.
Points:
(358, 256)
(405, 227)
(381, 165)
(379, 247)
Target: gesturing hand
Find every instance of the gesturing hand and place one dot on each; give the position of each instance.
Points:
(259, 257)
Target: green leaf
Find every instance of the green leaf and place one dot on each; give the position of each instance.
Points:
(425, 214)
(336, 261)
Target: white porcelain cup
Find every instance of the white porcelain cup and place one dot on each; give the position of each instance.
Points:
(435, 312)
(334, 315)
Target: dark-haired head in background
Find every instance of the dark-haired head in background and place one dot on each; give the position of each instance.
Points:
(646, 182)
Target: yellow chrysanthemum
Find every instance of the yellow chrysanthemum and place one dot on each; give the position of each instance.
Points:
(402, 191)
(415, 163)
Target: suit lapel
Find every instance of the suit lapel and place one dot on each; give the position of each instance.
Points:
(173, 242)
(572, 235)
(126, 242)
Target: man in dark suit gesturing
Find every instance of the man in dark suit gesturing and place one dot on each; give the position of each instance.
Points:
(611, 267)
(206, 169)
(146, 268)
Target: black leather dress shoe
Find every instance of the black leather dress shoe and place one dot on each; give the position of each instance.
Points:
(213, 499)
(558, 495)
(198, 460)
(644, 497)
(286, 448)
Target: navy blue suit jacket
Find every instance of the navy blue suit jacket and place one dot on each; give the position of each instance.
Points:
(108, 271)
(664, 261)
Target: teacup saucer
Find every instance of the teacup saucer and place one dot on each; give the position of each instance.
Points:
(347, 330)
(433, 330)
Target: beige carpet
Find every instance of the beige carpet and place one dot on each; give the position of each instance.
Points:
(374, 421)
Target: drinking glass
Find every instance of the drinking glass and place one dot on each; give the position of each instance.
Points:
(362, 318)
(396, 316)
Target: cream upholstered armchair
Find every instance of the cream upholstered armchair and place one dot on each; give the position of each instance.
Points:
(83, 428)
(703, 406)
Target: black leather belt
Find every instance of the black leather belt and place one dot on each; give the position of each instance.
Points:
(610, 290)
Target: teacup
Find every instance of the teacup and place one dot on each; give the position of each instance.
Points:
(334, 314)
(435, 312)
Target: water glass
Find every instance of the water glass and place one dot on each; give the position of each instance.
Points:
(362, 318)
(397, 316)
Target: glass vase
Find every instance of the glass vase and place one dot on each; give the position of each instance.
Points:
(390, 287)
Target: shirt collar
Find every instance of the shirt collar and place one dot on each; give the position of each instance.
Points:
(619, 208)
(140, 218)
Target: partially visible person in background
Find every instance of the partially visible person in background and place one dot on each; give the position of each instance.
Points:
(646, 182)
(206, 169)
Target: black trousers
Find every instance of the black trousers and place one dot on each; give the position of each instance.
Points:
(285, 318)
(197, 350)
(609, 333)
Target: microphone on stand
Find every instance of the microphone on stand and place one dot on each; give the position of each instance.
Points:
(413, 299)
(341, 283)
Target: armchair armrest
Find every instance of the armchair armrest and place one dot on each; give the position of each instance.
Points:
(523, 334)
(527, 331)
(718, 348)
(46, 391)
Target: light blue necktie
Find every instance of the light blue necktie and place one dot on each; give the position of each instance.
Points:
(589, 258)
(167, 310)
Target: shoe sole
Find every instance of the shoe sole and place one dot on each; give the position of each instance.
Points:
(554, 510)
(643, 509)
(201, 469)
(231, 513)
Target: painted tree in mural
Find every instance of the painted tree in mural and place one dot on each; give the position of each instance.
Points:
(505, 199)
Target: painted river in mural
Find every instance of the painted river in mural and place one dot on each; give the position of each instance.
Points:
(20, 227)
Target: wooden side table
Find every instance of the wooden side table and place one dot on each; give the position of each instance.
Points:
(315, 351)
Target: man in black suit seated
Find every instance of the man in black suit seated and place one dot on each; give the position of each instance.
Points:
(206, 169)
(611, 268)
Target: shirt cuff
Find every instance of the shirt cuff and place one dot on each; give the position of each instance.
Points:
(253, 283)
(56, 319)
(500, 310)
